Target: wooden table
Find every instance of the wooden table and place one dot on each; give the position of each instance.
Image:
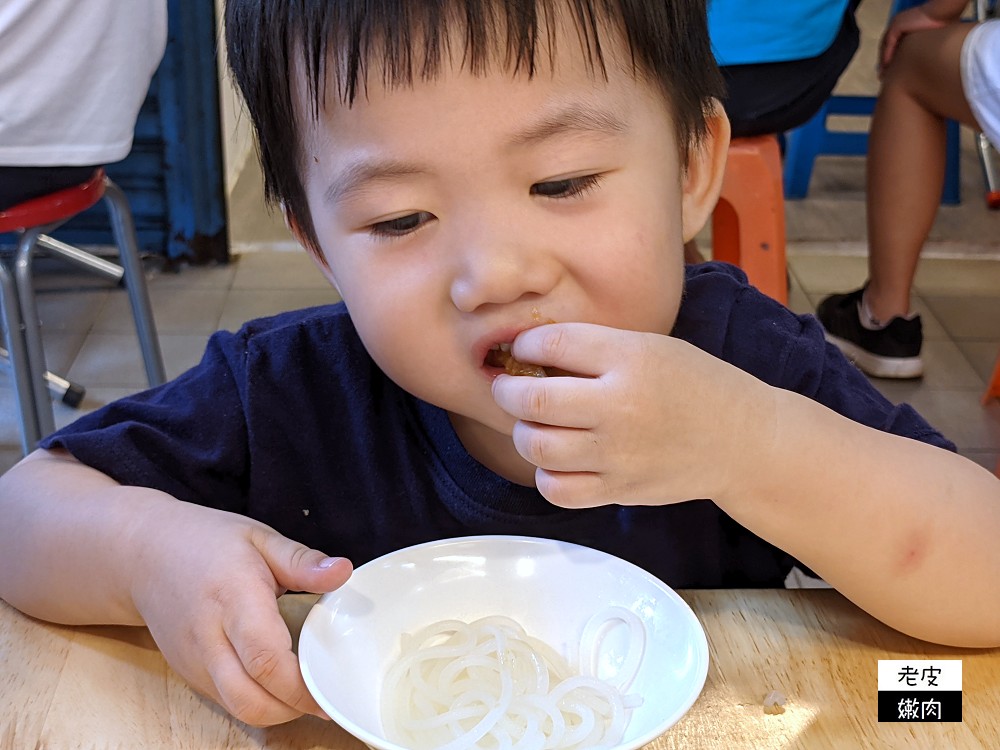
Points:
(109, 687)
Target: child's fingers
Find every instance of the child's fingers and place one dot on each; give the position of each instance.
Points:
(559, 448)
(296, 567)
(263, 648)
(242, 696)
(589, 489)
(579, 489)
(564, 402)
(579, 348)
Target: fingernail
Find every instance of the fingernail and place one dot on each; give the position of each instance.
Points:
(329, 562)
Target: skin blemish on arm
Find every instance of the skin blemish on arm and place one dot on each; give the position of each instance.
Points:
(913, 553)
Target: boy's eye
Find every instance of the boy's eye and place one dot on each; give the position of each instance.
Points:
(401, 225)
(568, 188)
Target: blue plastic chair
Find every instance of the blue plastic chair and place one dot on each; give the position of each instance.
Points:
(805, 143)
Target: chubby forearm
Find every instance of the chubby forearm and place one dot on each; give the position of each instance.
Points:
(67, 534)
(906, 530)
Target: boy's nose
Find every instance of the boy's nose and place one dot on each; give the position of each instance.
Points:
(499, 269)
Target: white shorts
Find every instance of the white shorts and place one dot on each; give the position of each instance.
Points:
(981, 76)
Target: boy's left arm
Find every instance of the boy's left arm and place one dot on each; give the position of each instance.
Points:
(906, 530)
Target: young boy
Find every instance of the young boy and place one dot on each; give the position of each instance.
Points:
(464, 173)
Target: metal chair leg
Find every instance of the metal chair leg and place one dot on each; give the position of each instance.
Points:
(18, 353)
(990, 171)
(135, 281)
(32, 329)
(67, 391)
(86, 261)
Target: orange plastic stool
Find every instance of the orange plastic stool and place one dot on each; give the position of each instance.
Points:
(748, 224)
(993, 389)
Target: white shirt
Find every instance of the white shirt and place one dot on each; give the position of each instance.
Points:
(981, 77)
(73, 75)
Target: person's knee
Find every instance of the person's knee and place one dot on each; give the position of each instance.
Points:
(903, 73)
(926, 68)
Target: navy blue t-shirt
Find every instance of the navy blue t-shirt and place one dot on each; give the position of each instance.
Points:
(290, 422)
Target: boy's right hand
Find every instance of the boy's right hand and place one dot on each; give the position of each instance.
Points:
(206, 584)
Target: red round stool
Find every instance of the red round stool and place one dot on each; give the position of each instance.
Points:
(33, 220)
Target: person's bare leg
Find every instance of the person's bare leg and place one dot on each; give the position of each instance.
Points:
(906, 159)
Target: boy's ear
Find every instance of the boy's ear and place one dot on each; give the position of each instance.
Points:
(702, 179)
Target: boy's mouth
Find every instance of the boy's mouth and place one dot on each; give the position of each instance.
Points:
(499, 356)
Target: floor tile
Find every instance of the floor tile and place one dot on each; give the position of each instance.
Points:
(8, 457)
(825, 274)
(986, 459)
(218, 276)
(109, 359)
(945, 368)
(242, 306)
(982, 355)
(968, 316)
(10, 425)
(71, 309)
(958, 414)
(799, 302)
(61, 348)
(181, 352)
(284, 270)
(938, 276)
(175, 310)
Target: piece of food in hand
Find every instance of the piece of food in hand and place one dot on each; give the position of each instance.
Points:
(500, 356)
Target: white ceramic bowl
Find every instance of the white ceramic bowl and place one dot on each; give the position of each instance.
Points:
(351, 637)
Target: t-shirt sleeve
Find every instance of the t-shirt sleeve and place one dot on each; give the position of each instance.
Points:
(734, 321)
(186, 437)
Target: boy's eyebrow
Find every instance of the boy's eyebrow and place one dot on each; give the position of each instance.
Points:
(577, 118)
(573, 118)
(361, 173)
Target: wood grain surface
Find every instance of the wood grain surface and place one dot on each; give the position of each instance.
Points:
(109, 687)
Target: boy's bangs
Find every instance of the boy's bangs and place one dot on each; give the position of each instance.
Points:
(397, 42)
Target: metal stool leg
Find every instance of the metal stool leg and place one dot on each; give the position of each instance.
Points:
(990, 172)
(86, 261)
(135, 281)
(67, 391)
(14, 336)
(32, 329)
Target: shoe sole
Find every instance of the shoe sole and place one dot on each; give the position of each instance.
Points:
(896, 368)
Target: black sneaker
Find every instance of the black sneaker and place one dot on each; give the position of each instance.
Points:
(891, 352)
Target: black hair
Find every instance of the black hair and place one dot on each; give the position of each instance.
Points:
(409, 39)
